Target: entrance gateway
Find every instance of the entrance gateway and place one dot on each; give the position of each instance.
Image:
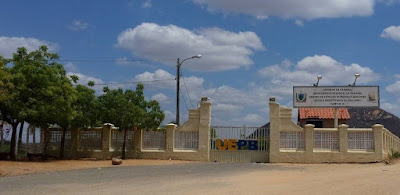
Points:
(239, 144)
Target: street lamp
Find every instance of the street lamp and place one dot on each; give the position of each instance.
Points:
(355, 80)
(319, 77)
(178, 67)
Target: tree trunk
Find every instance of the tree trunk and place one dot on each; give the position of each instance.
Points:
(124, 145)
(21, 129)
(13, 141)
(64, 130)
(34, 140)
(27, 140)
(1, 136)
(46, 138)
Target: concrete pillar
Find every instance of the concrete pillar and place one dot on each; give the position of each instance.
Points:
(343, 138)
(106, 138)
(274, 132)
(309, 129)
(170, 137)
(378, 140)
(204, 129)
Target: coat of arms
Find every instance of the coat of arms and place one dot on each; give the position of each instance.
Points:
(301, 97)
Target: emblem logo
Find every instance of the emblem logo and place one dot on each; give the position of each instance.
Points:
(301, 97)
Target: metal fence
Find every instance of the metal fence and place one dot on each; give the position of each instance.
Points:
(292, 140)
(326, 140)
(239, 144)
(153, 140)
(91, 140)
(117, 140)
(186, 140)
(261, 135)
(361, 140)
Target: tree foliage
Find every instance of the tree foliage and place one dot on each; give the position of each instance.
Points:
(128, 110)
(34, 88)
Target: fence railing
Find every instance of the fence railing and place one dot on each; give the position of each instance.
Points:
(327, 139)
(186, 140)
(361, 140)
(391, 143)
(258, 134)
(153, 140)
(117, 140)
(90, 140)
(292, 140)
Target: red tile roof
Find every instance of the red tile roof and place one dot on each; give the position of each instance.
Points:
(323, 113)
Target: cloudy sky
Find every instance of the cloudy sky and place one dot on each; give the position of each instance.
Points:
(252, 50)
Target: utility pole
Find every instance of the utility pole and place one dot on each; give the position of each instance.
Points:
(178, 75)
(178, 67)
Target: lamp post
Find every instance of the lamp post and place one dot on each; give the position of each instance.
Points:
(319, 77)
(178, 68)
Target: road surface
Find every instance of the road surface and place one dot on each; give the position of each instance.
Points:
(213, 178)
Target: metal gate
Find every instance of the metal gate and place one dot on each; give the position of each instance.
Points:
(239, 144)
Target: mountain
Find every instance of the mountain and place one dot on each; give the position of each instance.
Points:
(366, 117)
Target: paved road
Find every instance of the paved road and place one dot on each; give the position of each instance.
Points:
(182, 179)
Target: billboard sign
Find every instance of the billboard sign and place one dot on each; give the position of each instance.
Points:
(335, 96)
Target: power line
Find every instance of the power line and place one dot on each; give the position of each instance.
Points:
(117, 60)
(184, 100)
(108, 61)
(188, 94)
(130, 82)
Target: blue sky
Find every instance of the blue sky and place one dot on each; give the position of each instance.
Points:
(252, 50)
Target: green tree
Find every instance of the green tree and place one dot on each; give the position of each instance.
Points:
(129, 110)
(31, 75)
(5, 81)
(87, 108)
(42, 93)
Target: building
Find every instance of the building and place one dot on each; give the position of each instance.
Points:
(322, 117)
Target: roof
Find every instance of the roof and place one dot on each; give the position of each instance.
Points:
(323, 113)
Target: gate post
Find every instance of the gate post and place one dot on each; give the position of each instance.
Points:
(274, 130)
(106, 140)
(204, 129)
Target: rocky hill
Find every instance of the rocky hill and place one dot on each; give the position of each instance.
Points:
(366, 117)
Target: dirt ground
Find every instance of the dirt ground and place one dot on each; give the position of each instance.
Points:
(12, 168)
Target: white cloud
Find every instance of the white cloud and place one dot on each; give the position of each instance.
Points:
(160, 97)
(282, 78)
(254, 119)
(394, 88)
(146, 4)
(226, 108)
(79, 25)
(299, 23)
(9, 45)
(391, 32)
(70, 67)
(169, 116)
(220, 49)
(306, 9)
(165, 80)
(84, 79)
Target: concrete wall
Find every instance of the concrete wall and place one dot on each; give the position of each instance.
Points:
(199, 121)
(280, 121)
